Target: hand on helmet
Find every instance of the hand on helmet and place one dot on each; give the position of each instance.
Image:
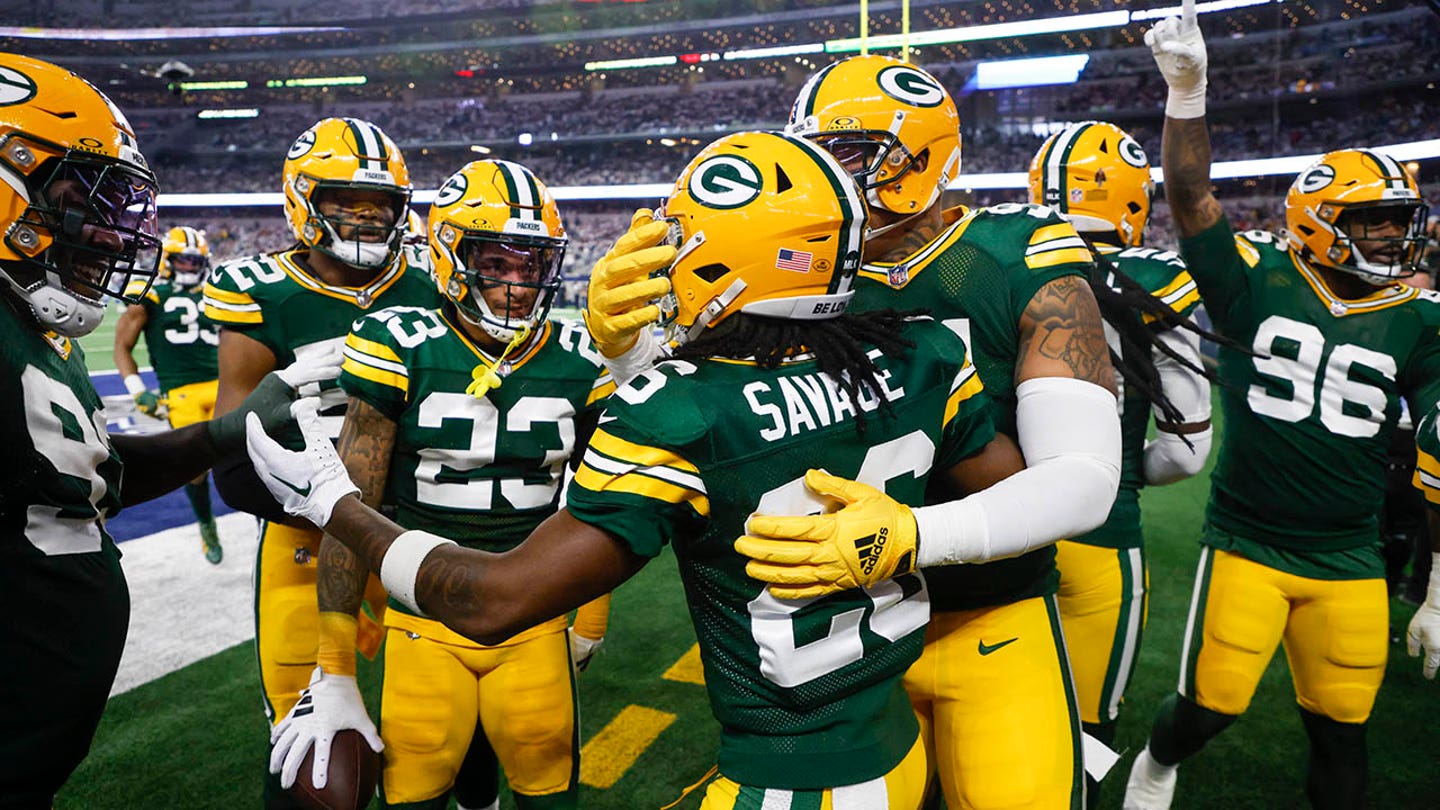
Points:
(621, 288)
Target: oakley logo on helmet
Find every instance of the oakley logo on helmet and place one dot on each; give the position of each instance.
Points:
(15, 87)
(302, 144)
(1315, 178)
(910, 86)
(452, 191)
(1131, 153)
(725, 181)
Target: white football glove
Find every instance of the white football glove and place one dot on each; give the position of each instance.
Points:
(582, 649)
(1179, 51)
(307, 483)
(1424, 631)
(329, 705)
(313, 369)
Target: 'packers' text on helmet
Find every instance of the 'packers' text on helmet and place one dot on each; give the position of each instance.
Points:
(767, 224)
(891, 124)
(1357, 195)
(77, 205)
(185, 256)
(494, 228)
(332, 157)
(1096, 176)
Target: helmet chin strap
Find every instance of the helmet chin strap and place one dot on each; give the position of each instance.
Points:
(60, 310)
(355, 253)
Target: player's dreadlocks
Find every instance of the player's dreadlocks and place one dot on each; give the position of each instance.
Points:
(1135, 360)
(840, 346)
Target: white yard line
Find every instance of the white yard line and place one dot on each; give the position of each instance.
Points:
(182, 608)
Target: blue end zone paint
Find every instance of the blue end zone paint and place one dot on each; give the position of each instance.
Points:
(165, 512)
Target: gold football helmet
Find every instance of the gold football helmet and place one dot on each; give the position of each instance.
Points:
(494, 224)
(890, 123)
(338, 154)
(1357, 195)
(1098, 177)
(185, 256)
(77, 205)
(765, 223)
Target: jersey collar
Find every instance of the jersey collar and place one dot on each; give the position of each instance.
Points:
(898, 274)
(1383, 297)
(361, 297)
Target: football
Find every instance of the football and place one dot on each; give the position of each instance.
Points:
(354, 771)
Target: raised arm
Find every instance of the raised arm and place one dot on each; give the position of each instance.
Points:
(1179, 51)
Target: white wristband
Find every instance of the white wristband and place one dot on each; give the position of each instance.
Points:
(135, 385)
(1185, 104)
(401, 566)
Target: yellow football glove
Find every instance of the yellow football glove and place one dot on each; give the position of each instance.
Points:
(618, 305)
(872, 538)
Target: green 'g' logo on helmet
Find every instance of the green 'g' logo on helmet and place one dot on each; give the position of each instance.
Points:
(1131, 153)
(302, 145)
(451, 192)
(910, 86)
(725, 181)
(1315, 178)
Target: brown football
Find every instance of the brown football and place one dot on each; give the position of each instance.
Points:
(354, 770)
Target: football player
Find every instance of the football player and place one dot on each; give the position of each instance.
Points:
(182, 350)
(463, 416)
(1291, 551)
(772, 377)
(1098, 178)
(77, 213)
(1423, 634)
(993, 688)
(347, 193)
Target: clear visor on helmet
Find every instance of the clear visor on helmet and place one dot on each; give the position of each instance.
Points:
(514, 277)
(102, 219)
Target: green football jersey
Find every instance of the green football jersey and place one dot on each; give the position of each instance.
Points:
(274, 299)
(61, 478)
(483, 471)
(1427, 462)
(977, 277)
(1301, 473)
(1163, 274)
(807, 692)
(182, 343)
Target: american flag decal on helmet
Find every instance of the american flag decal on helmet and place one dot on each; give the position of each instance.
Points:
(797, 260)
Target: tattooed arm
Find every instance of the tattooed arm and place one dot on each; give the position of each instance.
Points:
(366, 442)
(1185, 156)
(490, 597)
(1061, 335)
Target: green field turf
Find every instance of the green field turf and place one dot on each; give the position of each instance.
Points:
(196, 738)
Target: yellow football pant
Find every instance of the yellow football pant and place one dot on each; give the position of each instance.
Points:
(191, 403)
(1102, 609)
(997, 708)
(287, 614)
(1334, 632)
(903, 788)
(522, 692)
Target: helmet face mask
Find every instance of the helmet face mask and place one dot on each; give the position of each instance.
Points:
(185, 257)
(1359, 212)
(497, 246)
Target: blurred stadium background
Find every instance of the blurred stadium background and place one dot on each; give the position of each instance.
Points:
(606, 100)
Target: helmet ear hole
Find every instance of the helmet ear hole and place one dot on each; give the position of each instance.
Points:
(1133, 206)
(711, 273)
(782, 180)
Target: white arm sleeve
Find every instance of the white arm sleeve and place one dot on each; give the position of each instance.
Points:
(1167, 458)
(645, 353)
(1070, 435)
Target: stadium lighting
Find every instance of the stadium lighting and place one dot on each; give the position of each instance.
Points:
(1200, 8)
(525, 139)
(1229, 169)
(1035, 72)
(972, 33)
(318, 81)
(640, 62)
(479, 150)
(237, 84)
(782, 50)
(248, 112)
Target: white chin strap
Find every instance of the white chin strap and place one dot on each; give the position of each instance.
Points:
(62, 311)
(188, 279)
(495, 330)
(356, 253)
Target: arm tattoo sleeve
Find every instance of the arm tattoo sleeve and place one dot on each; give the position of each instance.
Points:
(1061, 335)
(365, 445)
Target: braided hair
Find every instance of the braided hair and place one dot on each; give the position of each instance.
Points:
(841, 347)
